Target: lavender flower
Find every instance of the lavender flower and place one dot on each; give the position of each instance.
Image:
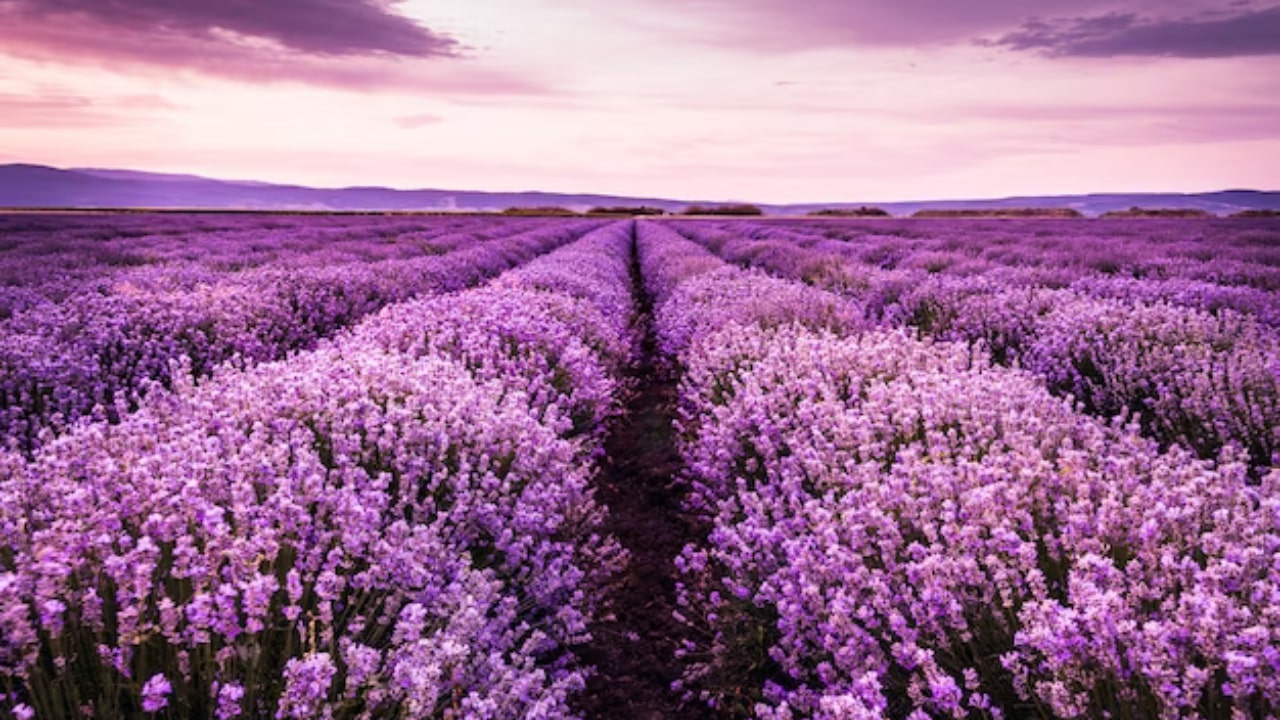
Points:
(229, 699)
(155, 694)
(307, 683)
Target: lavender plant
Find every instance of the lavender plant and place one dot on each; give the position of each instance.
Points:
(98, 354)
(902, 529)
(1194, 360)
(396, 524)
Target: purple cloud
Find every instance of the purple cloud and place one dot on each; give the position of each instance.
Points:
(786, 25)
(1182, 28)
(1249, 33)
(319, 27)
(349, 44)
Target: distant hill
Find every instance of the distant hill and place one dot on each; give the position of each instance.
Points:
(38, 186)
(1218, 203)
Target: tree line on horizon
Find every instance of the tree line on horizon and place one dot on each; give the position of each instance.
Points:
(865, 211)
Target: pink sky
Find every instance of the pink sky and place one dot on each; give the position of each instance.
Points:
(768, 100)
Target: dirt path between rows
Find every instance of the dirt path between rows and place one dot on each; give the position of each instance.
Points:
(634, 651)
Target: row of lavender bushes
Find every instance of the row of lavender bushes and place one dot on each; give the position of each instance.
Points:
(49, 258)
(1045, 251)
(1194, 363)
(902, 529)
(1207, 266)
(96, 355)
(398, 523)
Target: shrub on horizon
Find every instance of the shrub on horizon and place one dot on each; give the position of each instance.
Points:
(862, 211)
(1140, 212)
(548, 211)
(999, 213)
(627, 211)
(737, 209)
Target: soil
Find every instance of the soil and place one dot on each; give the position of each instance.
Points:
(634, 649)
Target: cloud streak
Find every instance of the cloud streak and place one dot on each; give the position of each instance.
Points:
(1250, 33)
(1060, 28)
(61, 110)
(421, 120)
(57, 111)
(347, 44)
(786, 25)
(320, 27)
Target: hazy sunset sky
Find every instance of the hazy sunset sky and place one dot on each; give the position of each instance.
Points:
(768, 100)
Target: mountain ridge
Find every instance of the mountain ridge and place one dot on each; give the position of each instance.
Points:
(26, 185)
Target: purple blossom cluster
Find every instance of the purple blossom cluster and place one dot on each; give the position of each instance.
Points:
(97, 352)
(901, 528)
(696, 294)
(1231, 252)
(1181, 334)
(47, 258)
(1201, 380)
(1209, 297)
(398, 523)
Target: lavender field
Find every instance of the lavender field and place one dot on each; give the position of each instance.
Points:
(270, 466)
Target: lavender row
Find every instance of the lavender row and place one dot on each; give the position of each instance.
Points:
(50, 264)
(48, 258)
(397, 524)
(100, 354)
(1199, 377)
(882, 266)
(1040, 251)
(684, 278)
(902, 530)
